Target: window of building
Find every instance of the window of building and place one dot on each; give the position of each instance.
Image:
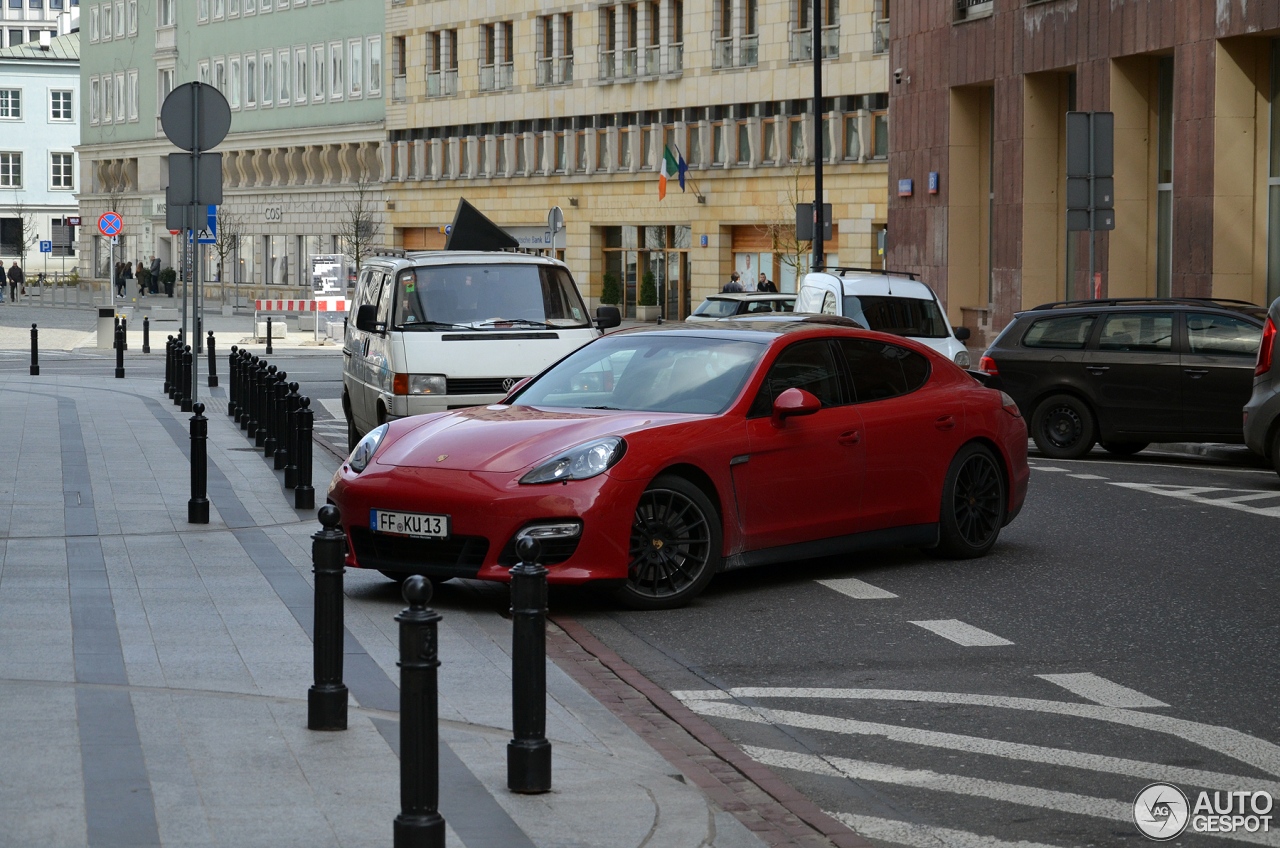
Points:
(1164, 179)
(624, 148)
(108, 96)
(164, 12)
(880, 40)
(220, 75)
(629, 62)
(94, 24)
(250, 81)
(317, 73)
(722, 41)
(120, 21)
(299, 75)
(284, 88)
(749, 49)
(744, 143)
(267, 67)
(233, 8)
(695, 146)
(355, 67)
(95, 100)
(202, 11)
(120, 96)
(202, 72)
(235, 83)
(106, 22)
(646, 146)
(11, 104)
(61, 172)
(375, 66)
(219, 9)
(608, 42)
(336, 71)
(11, 170)
(133, 94)
(133, 17)
(801, 46)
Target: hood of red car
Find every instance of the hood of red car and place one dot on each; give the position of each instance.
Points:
(509, 438)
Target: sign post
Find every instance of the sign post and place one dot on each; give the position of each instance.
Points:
(110, 224)
(1090, 186)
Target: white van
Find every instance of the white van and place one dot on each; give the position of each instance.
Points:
(887, 303)
(445, 329)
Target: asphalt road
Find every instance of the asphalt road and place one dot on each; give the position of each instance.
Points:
(1123, 632)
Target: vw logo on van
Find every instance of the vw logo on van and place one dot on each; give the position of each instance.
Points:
(508, 383)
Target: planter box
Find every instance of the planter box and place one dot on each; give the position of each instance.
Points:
(648, 313)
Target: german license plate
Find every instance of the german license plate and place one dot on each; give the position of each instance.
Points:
(415, 524)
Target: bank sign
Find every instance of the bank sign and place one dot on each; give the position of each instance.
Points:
(533, 238)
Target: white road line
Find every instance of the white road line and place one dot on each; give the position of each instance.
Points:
(1048, 468)
(1102, 691)
(1086, 476)
(855, 588)
(974, 787)
(962, 634)
(924, 836)
(1193, 494)
(334, 405)
(1223, 740)
(1190, 466)
(1057, 757)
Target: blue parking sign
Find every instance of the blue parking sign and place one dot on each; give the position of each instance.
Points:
(45, 246)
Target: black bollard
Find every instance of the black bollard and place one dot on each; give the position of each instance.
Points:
(124, 334)
(186, 378)
(267, 377)
(249, 422)
(272, 442)
(243, 396)
(304, 497)
(119, 351)
(419, 824)
(269, 350)
(279, 408)
(35, 351)
(529, 753)
(291, 436)
(146, 333)
(168, 367)
(213, 364)
(233, 378)
(327, 698)
(198, 505)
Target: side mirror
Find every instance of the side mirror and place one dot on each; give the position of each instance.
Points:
(367, 319)
(608, 317)
(517, 387)
(962, 333)
(793, 402)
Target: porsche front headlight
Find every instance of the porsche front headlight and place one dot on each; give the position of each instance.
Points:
(581, 463)
(366, 448)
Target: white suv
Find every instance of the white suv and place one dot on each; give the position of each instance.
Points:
(886, 303)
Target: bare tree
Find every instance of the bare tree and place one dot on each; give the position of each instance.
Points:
(359, 232)
(28, 233)
(227, 242)
(793, 252)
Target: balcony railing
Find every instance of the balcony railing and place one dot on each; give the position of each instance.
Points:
(722, 53)
(449, 82)
(487, 77)
(970, 9)
(398, 86)
(675, 58)
(433, 83)
(831, 41)
(546, 71)
(629, 59)
(881, 34)
(801, 45)
(652, 60)
(566, 69)
(749, 51)
(506, 75)
(607, 71)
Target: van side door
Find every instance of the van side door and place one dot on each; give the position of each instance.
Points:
(354, 380)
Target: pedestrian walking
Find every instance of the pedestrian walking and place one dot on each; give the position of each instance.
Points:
(155, 274)
(16, 278)
(126, 276)
(734, 284)
(117, 279)
(765, 284)
(142, 279)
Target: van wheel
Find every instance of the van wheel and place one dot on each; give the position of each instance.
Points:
(1124, 448)
(1063, 427)
(353, 435)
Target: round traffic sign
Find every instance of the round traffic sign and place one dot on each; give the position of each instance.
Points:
(110, 224)
(195, 116)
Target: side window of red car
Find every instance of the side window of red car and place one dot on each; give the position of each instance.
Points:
(806, 365)
(881, 370)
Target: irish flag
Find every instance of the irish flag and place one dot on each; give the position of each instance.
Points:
(671, 167)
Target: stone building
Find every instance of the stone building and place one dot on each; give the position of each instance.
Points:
(523, 106)
(304, 81)
(981, 102)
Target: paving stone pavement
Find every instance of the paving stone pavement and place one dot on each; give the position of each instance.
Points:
(153, 674)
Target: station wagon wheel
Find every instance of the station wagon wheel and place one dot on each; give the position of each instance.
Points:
(1124, 448)
(974, 504)
(675, 546)
(1063, 427)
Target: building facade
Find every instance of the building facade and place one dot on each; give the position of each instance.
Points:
(39, 130)
(524, 106)
(304, 81)
(21, 22)
(984, 90)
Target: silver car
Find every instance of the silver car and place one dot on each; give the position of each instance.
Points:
(730, 304)
(1262, 412)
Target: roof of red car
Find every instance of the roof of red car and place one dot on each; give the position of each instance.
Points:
(745, 327)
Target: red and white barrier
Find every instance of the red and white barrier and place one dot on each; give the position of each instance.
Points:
(338, 304)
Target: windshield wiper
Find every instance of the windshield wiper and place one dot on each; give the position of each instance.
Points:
(525, 321)
(614, 408)
(433, 325)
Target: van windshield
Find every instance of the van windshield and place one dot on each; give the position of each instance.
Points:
(901, 316)
(487, 297)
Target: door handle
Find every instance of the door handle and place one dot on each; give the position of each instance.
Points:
(1098, 369)
(946, 422)
(1196, 373)
(852, 437)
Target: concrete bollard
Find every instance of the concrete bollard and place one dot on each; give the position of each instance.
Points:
(213, 364)
(419, 824)
(233, 380)
(327, 698)
(198, 505)
(35, 351)
(529, 753)
(291, 434)
(304, 496)
(279, 418)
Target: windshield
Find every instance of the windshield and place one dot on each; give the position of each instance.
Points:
(901, 316)
(487, 297)
(648, 372)
(713, 308)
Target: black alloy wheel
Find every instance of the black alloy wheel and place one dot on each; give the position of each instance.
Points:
(974, 504)
(675, 546)
(1124, 448)
(1063, 427)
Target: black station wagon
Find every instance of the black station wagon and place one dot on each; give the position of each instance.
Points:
(1128, 372)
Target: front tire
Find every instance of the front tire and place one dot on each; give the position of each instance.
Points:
(353, 435)
(1063, 427)
(676, 543)
(974, 503)
(1124, 448)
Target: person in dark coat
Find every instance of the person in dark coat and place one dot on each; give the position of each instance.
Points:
(766, 285)
(734, 284)
(16, 278)
(155, 274)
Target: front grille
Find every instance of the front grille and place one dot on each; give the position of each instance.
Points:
(456, 556)
(477, 385)
(554, 551)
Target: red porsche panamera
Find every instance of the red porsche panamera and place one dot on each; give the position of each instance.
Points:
(655, 458)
